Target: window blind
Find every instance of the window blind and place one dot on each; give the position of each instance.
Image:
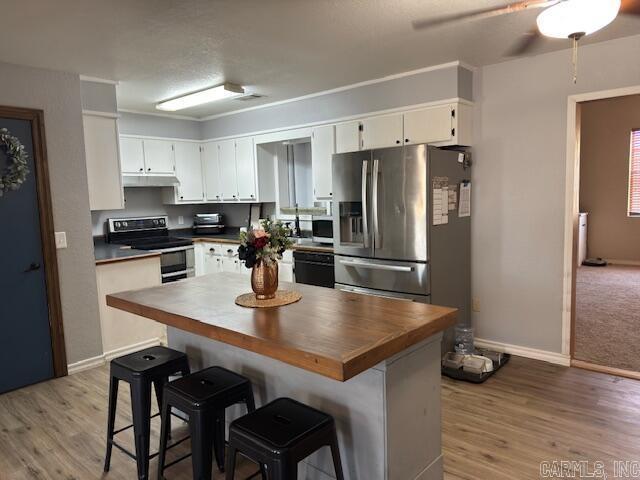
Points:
(634, 174)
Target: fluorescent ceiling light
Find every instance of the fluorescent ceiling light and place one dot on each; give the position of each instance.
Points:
(570, 17)
(226, 90)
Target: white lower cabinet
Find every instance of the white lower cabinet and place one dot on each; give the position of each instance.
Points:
(121, 331)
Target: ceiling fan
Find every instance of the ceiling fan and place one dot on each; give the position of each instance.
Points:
(572, 19)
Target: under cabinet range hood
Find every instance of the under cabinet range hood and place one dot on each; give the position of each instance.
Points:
(150, 181)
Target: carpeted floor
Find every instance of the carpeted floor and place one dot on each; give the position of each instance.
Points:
(607, 327)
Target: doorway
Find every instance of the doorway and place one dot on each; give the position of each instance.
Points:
(604, 300)
(31, 339)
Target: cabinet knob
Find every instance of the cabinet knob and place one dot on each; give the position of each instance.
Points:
(406, 140)
(181, 197)
(234, 196)
(212, 249)
(142, 169)
(251, 196)
(330, 194)
(397, 141)
(149, 169)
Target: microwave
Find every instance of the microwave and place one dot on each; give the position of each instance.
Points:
(322, 229)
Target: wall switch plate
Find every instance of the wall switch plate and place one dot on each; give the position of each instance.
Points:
(61, 240)
(475, 304)
(180, 220)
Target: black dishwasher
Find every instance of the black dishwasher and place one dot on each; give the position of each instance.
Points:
(314, 268)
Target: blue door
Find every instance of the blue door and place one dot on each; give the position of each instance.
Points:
(25, 337)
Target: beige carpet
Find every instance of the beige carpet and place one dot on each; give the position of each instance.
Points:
(607, 327)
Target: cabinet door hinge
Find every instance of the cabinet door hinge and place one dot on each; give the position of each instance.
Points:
(453, 113)
(173, 148)
(360, 127)
(453, 132)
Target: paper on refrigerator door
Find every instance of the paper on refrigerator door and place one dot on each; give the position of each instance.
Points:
(440, 204)
(464, 205)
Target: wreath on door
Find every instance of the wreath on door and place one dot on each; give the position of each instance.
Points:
(14, 175)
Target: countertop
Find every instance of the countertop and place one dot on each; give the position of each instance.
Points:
(231, 236)
(329, 332)
(111, 252)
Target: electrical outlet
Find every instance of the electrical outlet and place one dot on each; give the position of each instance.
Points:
(475, 304)
(180, 220)
(61, 240)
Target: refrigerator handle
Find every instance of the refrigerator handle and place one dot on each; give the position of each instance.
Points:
(377, 236)
(365, 207)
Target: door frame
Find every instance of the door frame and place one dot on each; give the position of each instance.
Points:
(572, 191)
(47, 232)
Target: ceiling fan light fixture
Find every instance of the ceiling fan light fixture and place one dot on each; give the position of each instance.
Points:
(570, 17)
(208, 95)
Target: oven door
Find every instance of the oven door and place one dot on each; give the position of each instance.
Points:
(177, 263)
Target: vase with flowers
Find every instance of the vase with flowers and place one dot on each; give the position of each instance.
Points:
(261, 248)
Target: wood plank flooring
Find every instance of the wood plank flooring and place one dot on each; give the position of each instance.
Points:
(529, 412)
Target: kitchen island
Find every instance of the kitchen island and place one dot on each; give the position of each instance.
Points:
(371, 362)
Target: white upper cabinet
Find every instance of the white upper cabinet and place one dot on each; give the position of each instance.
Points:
(189, 171)
(158, 157)
(103, 163)
(428, 125)
(348, 137)
(246, 169)
(381, 132)
(132, 155)
(227, 168)
(322, 148)
(210, 164)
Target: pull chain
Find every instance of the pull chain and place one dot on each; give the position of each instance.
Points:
(575, 37)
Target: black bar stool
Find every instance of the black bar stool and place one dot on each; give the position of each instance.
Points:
(203, 396)
(281, 434)
(141, 370)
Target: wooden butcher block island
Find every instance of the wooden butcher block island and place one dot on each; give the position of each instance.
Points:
(383, 352)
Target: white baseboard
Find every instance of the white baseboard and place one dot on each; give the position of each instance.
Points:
(86, 364)
(100, 360)
(544, 355)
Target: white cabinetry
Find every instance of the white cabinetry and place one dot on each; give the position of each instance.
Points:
(381, 132)
(103, 163)
(210, 165)
(322, 148)
(246, 169)
(439, 125)
(285, 267)
(132, 155)
(188, 172)
(147, 156)
(158, 157)
(348, 137)
(228, 172)
(122, 331)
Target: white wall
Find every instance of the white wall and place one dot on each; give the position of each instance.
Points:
(519, 186)
(58, 95)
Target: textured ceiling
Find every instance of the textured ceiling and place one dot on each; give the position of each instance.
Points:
(158, 49)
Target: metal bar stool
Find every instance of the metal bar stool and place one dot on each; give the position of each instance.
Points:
(203, 396)
(281, 434)
(141, 370)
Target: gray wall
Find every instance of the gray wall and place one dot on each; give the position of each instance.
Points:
(98, 96)
(604, 177)
(419, 88)
(520, 134)
(155, 126)
(58, 94)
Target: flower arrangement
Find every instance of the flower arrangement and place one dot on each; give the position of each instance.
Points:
(15, 174)
(265, 244)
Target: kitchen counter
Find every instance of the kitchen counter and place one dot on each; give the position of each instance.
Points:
(329, 332)
(231, 236)
(110, 252)
(371, 362)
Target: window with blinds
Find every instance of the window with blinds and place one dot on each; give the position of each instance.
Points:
(634, 175)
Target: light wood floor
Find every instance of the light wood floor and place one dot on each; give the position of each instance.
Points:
(529, 412)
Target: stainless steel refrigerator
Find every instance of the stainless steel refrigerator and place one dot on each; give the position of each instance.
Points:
(385, 239)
